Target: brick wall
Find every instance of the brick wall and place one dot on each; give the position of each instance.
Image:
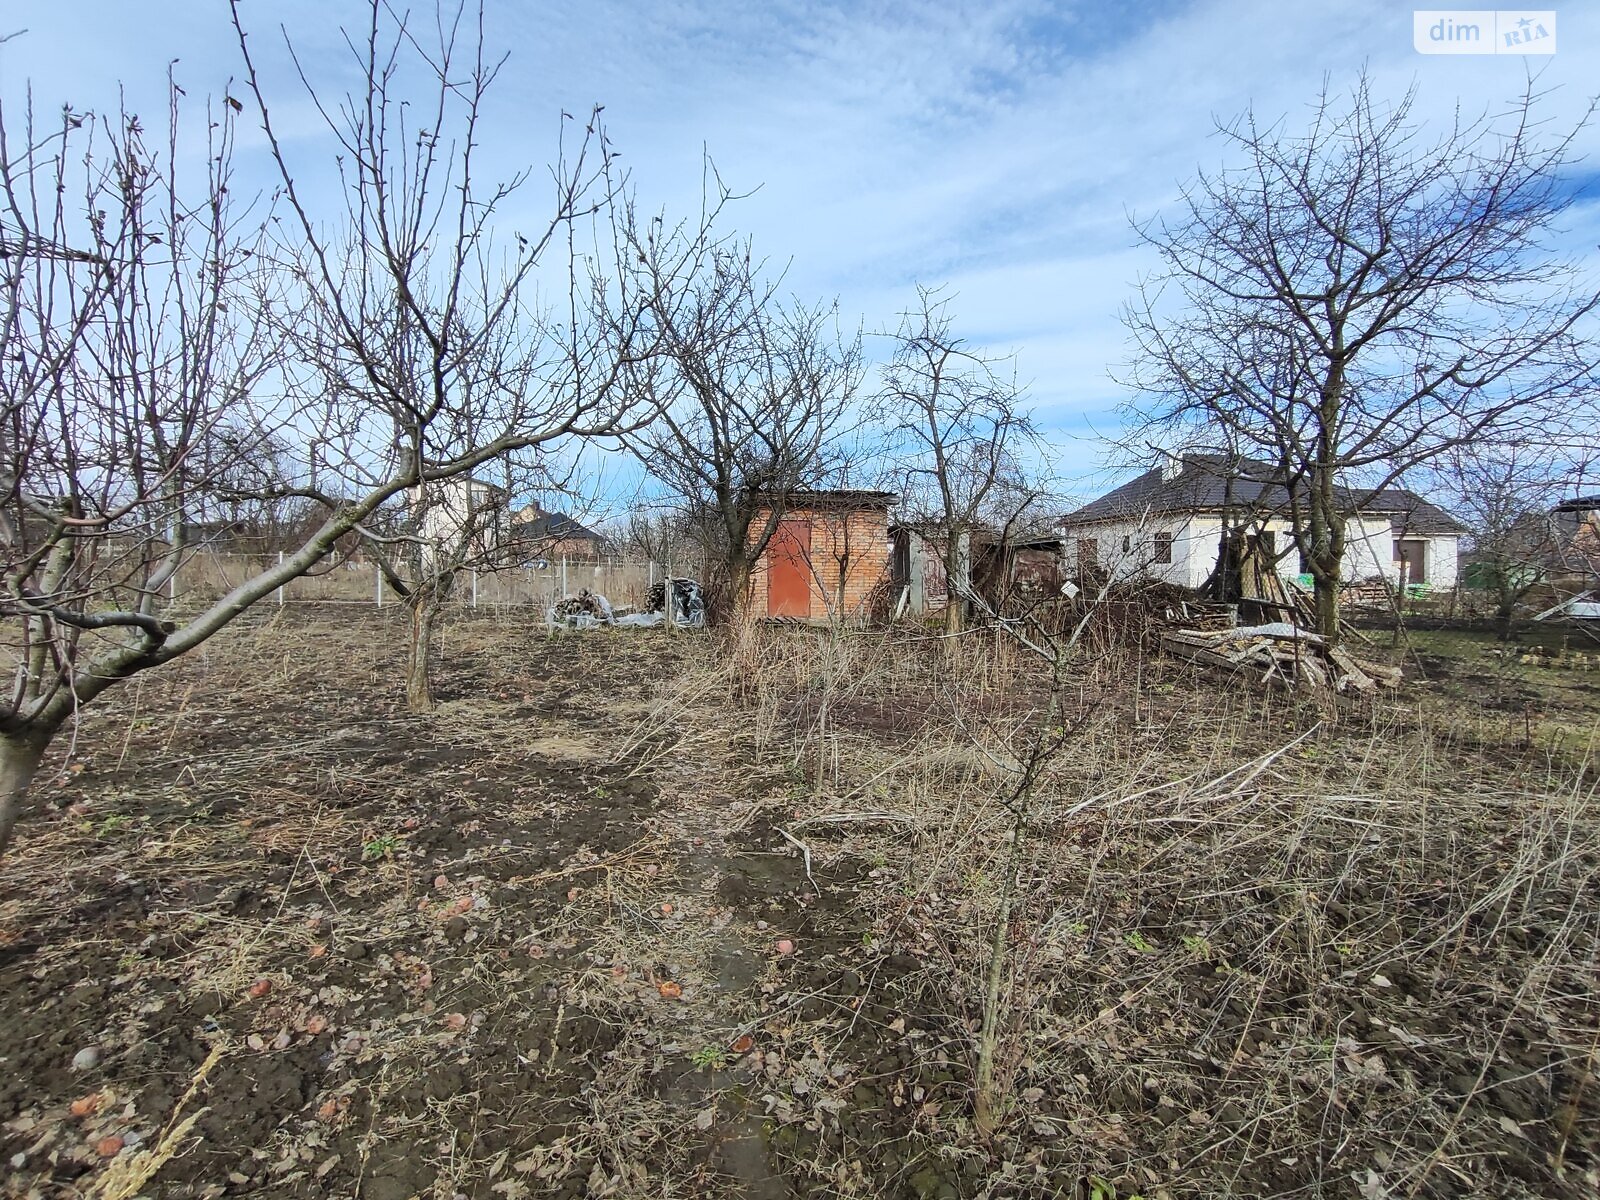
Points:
(849, 547)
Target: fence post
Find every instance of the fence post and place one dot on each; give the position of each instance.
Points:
(563, 576)
(280, 586)
(652, 579)
(377, 574)
(474, 588)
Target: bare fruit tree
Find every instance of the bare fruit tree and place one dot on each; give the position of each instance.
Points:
(960, 436)
(445, 529)
(423, 328)
(1504, 495)
(127, 359)
(753, 390)
(158, 345)
(1350, 303)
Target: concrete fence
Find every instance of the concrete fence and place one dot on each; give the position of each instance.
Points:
(208, 575)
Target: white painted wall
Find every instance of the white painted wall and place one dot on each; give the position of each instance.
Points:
(1443, 560)
(1126, 548)
(453, 503)
(1369, 549)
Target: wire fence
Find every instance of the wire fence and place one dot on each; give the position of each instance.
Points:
(208, 576)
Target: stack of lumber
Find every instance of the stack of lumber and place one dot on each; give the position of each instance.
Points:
(1372, 593)
(1280, 655)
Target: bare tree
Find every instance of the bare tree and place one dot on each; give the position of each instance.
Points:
(426, 330)
(1504, 496)
(753, 389)
(152, 338)
(126, 349)
(446, 528)
(960, 434)
(1356, 300)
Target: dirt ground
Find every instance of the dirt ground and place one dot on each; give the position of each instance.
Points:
(638, 915)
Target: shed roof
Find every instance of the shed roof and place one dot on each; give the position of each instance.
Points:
(1580, 504)
(834, 498)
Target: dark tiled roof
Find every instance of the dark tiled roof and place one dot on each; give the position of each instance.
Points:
(1216, 483)
(1409, 512)
(552, 527)
(1207, 482)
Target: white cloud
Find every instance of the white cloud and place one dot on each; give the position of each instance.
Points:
(998, 147)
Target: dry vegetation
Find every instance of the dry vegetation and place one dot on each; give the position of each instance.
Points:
(641, 915)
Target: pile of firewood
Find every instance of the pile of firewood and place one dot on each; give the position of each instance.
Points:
(585, 606)
(1281, 655)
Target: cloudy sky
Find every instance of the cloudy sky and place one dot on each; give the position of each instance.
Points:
(999, 148)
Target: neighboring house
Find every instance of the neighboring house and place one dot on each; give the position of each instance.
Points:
(537, 533)
(1575, 525)
(827, 558)
(443, 509)
(1167, 524)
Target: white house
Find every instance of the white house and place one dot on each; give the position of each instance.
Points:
(445, 509)
(1167, 524)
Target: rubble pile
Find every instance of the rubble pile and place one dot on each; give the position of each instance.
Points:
(1281, 655)
(688, 601)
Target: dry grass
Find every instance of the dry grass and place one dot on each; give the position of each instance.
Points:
(1262, 954)
(1256, 951)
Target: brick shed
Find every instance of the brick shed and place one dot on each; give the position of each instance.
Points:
(827, 557)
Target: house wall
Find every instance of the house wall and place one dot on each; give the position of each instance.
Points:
(1369, 548)
(455, 503)
(848, 542)
(1127, 548)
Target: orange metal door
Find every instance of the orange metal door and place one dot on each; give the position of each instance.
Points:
(789, 569)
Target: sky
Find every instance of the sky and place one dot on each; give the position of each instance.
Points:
(999, 149)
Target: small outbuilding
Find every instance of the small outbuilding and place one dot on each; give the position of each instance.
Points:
(827, 559)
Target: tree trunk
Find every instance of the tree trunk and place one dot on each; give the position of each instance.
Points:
(1327, 553)
(1504, 614)
(419, 667)
(740, 568)
(1327, 521)
(988, 1106)
(19, 759)
(957, 576)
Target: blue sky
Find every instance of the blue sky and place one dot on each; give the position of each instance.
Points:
(998, 148)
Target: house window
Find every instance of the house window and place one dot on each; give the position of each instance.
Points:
(1088, 552)
(1127, 543)
(1163, 548)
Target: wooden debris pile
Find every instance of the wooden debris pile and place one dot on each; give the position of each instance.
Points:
(1281, 655)
(1204, 616)
(1369, 594)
